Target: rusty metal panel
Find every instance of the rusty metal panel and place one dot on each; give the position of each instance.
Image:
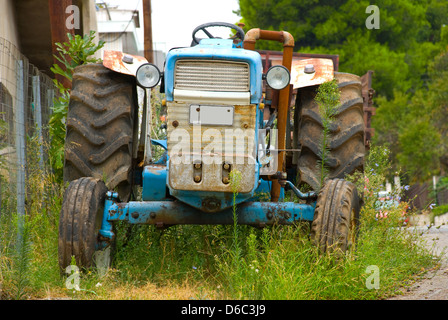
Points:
(323, 72)
(188, 143)
(369, 109)
(271, 58)
(114, 60)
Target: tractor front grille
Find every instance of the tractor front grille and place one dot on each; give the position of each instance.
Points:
(208, 75)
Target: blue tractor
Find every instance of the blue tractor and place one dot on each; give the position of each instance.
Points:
(234, 132)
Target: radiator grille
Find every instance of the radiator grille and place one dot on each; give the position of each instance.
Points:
(211, 76)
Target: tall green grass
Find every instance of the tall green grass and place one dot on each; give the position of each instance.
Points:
(28, 243)
(224, 262)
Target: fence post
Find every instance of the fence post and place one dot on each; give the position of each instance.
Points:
(20, 139)
(38, 118)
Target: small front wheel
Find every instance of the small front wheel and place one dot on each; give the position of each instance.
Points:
(336, 216)
(80, 221)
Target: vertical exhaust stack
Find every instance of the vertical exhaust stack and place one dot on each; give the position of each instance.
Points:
(288, 45)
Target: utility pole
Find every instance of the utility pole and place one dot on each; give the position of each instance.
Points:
(58, 16)
(147, 25)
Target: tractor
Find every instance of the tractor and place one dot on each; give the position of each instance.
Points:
(227, 117)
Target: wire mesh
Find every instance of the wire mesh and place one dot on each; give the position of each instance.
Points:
(26, 100)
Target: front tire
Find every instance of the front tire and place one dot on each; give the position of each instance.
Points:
(335, 223)
(80, 221)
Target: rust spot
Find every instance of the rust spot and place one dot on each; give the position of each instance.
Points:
(114, 60)
(324, 71)
(135, 215)
(155, 168)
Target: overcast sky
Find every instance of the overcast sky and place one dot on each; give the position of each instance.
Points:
(173, 21)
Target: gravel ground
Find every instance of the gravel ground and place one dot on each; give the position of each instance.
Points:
(434, 284)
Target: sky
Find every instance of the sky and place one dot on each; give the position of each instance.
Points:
(173, 21)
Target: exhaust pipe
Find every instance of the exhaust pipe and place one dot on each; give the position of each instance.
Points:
(283, 105)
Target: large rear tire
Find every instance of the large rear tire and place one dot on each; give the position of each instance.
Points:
(346, 145)
(100, 123)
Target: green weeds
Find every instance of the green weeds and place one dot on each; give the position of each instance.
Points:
(327, 98)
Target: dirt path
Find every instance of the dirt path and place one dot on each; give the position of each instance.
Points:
(434, 285)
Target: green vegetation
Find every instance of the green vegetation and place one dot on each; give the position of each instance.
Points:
(77, 51)
(440, 210)
(212, 262)
(328, 99)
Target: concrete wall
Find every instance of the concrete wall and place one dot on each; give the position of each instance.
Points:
(8, 29)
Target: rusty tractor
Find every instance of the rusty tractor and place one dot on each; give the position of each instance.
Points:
(240, 123)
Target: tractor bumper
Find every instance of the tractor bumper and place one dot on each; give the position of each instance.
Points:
(167, 213)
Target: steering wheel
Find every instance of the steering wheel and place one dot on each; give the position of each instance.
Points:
(239, 32)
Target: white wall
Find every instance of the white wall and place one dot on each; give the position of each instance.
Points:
(7, 23)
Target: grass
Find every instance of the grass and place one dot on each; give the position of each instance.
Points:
(208, 262)
(186, 262)
(440, 210)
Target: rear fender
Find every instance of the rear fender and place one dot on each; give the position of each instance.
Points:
(122, 62)
(323, 72)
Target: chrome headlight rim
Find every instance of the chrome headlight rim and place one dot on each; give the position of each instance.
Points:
(155, 72)
(284, 72)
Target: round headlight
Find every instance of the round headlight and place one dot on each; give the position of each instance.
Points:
(148, 75)
(278, 77)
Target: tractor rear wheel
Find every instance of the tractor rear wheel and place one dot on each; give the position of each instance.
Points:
(346, 141)
(100, 127)
(336, 216)
(80, 221)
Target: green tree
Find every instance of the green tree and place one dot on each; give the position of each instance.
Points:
(415, 125)
(411, 85)
(398, 52)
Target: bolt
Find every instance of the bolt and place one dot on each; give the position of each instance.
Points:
(245, 126)
(197, 178)
(226, 166)
(309, 68)
(152, 215)
(135, 215)
(225, 180)
(128, 59)
(175, 123)
(197, 166)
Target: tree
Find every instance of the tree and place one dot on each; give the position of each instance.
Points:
(415, 127)
(411, 85)
(398, 52)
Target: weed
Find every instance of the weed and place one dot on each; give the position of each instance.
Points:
(327, 98)
(77, 51)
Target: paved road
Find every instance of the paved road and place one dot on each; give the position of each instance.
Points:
(434, 285)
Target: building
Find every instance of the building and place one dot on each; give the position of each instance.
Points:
(122, 30)
(28, 31)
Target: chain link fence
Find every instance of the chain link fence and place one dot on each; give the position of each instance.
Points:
(26, 100)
